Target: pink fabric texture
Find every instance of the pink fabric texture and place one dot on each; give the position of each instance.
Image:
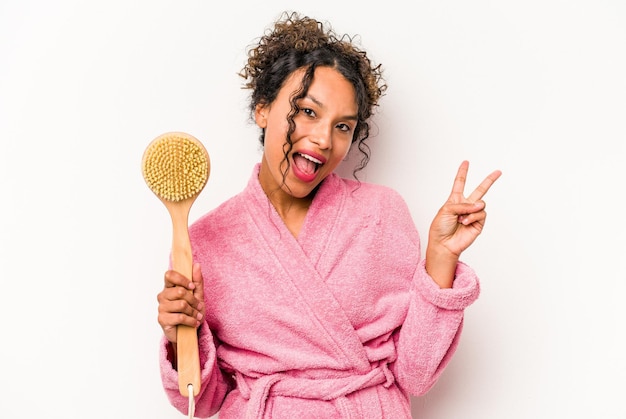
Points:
(341, 322)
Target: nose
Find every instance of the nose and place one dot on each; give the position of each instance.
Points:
(322, 137)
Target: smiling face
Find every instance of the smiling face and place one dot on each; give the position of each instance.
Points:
(324, 128)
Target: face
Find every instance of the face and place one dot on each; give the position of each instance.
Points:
(324, 129)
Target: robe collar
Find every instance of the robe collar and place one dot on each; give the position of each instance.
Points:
(302, 259)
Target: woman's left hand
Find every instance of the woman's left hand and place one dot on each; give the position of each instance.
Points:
(457, 223)
(460, 220)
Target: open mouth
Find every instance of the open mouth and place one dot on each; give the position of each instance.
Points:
(306, 164)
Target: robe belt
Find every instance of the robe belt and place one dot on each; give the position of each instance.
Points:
(256, 391)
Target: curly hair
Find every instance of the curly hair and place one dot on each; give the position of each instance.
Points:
(300, 42)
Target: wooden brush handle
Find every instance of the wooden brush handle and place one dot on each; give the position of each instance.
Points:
(176, 167)
(188, 360)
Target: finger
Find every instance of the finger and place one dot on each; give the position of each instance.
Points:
(173, 279)
(180, 306)
(171, 320)
(459, 181)
(178, 294)
(464, 208)
(476, 217)
(198, 281)
(484, 186)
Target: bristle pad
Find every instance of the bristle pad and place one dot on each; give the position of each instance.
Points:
(175, 168)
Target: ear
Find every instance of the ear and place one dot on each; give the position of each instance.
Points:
(260, 115)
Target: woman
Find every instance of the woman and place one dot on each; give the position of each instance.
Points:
(310, 294)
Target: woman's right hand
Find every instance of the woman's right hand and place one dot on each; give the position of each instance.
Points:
(177, 305)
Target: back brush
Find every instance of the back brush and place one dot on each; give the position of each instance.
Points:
(176, 167)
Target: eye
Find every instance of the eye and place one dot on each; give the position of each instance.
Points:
(308, 111)
(344, 127)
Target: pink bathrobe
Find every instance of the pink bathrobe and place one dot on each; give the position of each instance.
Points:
(341, 322)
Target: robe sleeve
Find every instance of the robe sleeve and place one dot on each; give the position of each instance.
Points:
(214, 384)
(430, 333)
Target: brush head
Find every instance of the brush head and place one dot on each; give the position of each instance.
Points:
(176, 166)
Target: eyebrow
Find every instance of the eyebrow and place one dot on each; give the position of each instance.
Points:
(321, 105)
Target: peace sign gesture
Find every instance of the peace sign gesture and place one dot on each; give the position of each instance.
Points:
(455, 227)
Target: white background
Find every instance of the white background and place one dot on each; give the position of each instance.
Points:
(535, 88)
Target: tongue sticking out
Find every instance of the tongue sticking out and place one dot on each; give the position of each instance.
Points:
(304, 165)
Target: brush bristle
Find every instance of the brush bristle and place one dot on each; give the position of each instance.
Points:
(175, 166)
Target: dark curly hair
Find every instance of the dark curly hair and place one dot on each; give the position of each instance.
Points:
(300, 42)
